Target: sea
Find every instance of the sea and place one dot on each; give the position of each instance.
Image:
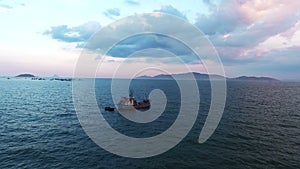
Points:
(260, 126)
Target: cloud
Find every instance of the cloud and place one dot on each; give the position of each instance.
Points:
(79, 33)
(246, 34)
(237, 28)
(283, 63)
(249, 19)
(132, 2)
(5, 6)
(152, 41)
(9, 5)
(221, 20)
(284, 56)
(111, 13)
(171, 10)
(145, 41)
(104, 42)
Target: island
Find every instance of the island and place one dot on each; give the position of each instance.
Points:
(203, 76)
(253, 78)
(25, 75)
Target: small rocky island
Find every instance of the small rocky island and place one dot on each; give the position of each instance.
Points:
(25, 75)
(33, 77)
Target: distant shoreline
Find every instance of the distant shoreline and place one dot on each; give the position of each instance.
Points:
(48, 78)
(200, 76)
(182, 76)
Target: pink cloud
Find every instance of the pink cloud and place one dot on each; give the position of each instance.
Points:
(252, 11)
(239, 36)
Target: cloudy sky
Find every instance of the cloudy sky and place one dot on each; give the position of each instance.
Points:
(252, 37)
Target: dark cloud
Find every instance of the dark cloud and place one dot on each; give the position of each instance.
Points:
(132, 44)
(171, 10)
(132, 2)
(104, 41)
(111, 13)
(73, 34)
(154, 41)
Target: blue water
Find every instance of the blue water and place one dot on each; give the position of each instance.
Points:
(260, 127)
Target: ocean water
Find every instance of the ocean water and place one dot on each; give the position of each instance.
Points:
(260, 127)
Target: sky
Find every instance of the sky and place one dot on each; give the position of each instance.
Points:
(252, 37)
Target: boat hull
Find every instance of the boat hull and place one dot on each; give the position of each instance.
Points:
(133, 107)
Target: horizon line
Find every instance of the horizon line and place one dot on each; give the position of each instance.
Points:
(150, 76)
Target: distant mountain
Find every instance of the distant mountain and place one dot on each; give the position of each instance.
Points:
(253, 78)
(144, 77)
(200, 76)
(183, 76)
(25, 75)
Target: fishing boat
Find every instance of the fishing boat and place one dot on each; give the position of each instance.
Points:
(131, 104)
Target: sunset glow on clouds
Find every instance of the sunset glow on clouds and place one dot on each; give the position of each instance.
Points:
(252, 37)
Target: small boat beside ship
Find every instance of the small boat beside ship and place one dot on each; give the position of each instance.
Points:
(109, 109)
(131, 104)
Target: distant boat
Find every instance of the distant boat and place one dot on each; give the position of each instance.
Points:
(61, 79)
(109, 109)
(131, 104)
(37, 78)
